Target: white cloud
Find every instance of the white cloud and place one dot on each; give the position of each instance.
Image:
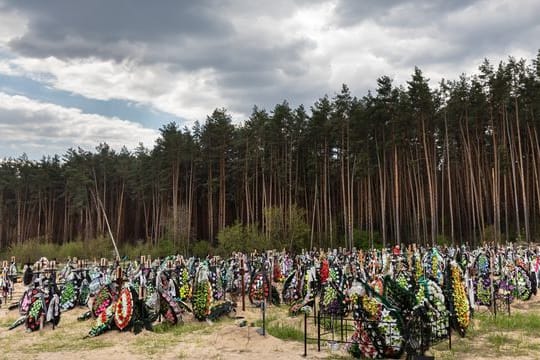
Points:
(12, 24)
(40, 128)
(185, 94)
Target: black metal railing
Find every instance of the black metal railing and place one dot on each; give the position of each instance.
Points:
(417, 336)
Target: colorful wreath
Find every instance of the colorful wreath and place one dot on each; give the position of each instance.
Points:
(34, 314)
(201, 300)
(259, 289)
(102, 301)
(460, 302)
(68, 296)
(124, 309)
(103, 321)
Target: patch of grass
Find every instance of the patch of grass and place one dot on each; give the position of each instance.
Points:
(166, 335)
(285, 332)
(61, 341)
(7, 321)
(504, 335)
(499, 340)
(528, 323)
(167, 328)
(269, 319)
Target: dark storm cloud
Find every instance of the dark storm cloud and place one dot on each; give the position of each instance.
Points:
(78, 28)
(250, 52)
(184, 36)
(190, 34)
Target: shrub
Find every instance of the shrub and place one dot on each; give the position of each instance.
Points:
(201, 249)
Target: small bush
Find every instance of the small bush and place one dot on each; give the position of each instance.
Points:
(201, 249)
(240, 238)
(31, 251)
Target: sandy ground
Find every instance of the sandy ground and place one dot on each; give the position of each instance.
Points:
(220, 340)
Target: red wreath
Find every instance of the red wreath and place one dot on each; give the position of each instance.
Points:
(123, 314)
(259, 289)
(325, 271)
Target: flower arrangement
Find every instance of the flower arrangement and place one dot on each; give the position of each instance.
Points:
(34, 314)
(377, 285)
(103, 321)
(332, 302)
(124, 309)
(362, 344)
(201, 300)
(483, 291)
(102, 302)
(418, 269)
(277, 274)
(482, 264)
(324, 272)
(217, 292)
(373, 337)
(459, 298)
(185, 289)
(68, 296)
(404, 281)
(437, 313)
(259, 289)
(390, 329)
(371, 306)
(522, 284)
(84, 293)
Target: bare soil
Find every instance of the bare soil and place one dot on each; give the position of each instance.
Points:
(224, 339)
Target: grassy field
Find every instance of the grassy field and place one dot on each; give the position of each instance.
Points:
(513, 336)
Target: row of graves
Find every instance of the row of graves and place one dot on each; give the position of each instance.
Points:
(8, 277)
(378, 303)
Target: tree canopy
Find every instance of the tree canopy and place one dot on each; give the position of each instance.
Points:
(459, 163)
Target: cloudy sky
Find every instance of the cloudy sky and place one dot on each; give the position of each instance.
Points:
(78, 72)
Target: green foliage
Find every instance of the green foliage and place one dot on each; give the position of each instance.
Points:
(502, 336)
(99, 247)
(283, 230)
(517, 321)
(392, 145)
(201, 249)
(298, 229)
(287, 229)
(31, 251)
(362, 239)
(34, 249)
(490, 235)
(133, 251)
(168, 328)
(165, 247)
(285, 332)
(238, 237)
(232, 238)
(442, 240)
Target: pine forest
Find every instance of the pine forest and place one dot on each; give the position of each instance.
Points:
(456, 162)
